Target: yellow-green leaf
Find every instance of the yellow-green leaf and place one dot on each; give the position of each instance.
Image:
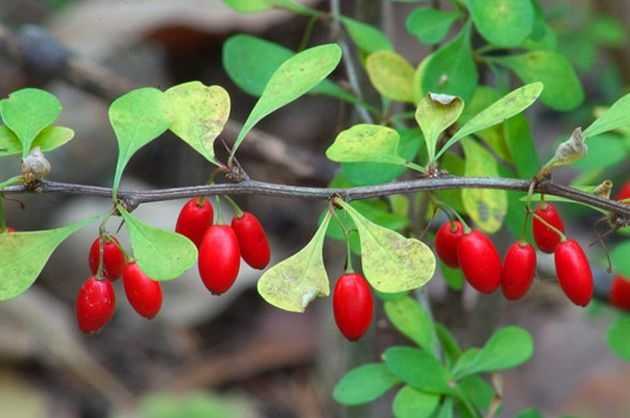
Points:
(47, 140)
(391, 75)
(435, 113)
(366, 143)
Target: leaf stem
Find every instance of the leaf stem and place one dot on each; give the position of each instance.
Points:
(413, 166)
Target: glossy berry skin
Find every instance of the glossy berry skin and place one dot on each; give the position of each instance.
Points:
(219, 258)
(519, 268)
(143, 293)
(624, 192)
(620, 293)
(546, 238)
(194, 219)
(95, 304)
(252, 240)
(479, 261)
(353, 305)
(113, 258)
(574, 272)
(446, 240)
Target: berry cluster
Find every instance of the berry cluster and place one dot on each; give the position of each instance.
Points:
(477, 256)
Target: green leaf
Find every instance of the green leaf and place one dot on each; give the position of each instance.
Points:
(411, 403)
(451, 69)
(434, 114)
(618, 337)
(391, 262)
(478, 391)
(506, 107)
(520, 143)
(410, 318)
(620, 257)
(448, 342)
(418, 369)
(507, 348)
(249, 6)
(563, 89)
(198, 114)
(391, 75)
(23, 255)
(366, 37)
(453, 276)
(366, 143)
(429, 25)
(250, 62)
(607, 31)
(27, 112)
(446, 409)
(293, 283)
(294, 78)
(364, 384)
(504, 23)
(604, 150)
(161, 254)
(455, 166)
(529, 413)
(48, 139)
(616, 117)
(137, 117)
(487, 207)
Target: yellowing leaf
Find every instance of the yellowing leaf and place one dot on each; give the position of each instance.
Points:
(391, 75)
(435, 113)
(47, 140)
(366, 143)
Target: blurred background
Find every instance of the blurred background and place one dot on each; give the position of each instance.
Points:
(235, 356)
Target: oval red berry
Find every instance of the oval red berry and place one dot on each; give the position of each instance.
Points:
(252, 240)
(546, 238)
(446, 240)
(624, 192)
(219, 258)
(95, 304)
(479, 261)
(353, 305)
(194, 219)
(113, 257)
(519, 268)
(620, 293)
(143, 293)
(574, 272)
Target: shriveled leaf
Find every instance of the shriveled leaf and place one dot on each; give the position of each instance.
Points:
(412, 403)
(616, 117)
(391, 75)
(429, 25)
(198, 114)
(294, 78)
(48, 139)
(137, 117)
(434, 114)
(508, 106)
(418, 368)
(364, 384)
(620, 257)
(27, 112)
(293, 283)
(410, 318)
(391, 262)
(563, 89)
(23, 255)
(504, 23)
(162, 255)
(366, 143)
(487, 207)
(366, 37)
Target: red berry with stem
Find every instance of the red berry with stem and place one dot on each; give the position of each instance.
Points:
(446, 240)
(620, 293)
(353, 305)
(95, 304)
(143, 293)
(624, 192)
(574, 272)
(479, 261)
(252, 240)
(219, 258)
(545, 237)
(519, 268)
(113, 257)
(194, 219)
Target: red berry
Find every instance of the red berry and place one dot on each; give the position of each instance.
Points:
(545, 237)
(574, 272)
(252, 240)
(219, 258)
(479, 261)
(113, 257)
(446, 241)
(620, 293)
(353, 305)
(624, 192)
(518, 272)
(95, 304)
(194, 219)
(143, 293)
